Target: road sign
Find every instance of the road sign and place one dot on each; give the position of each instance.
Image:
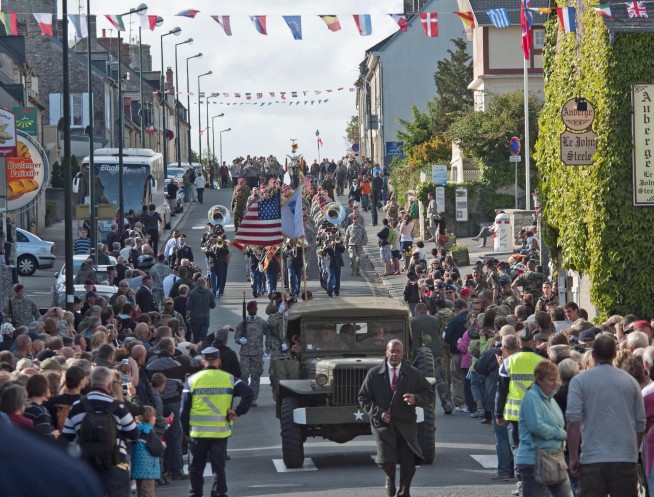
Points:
(514, 145)
(355, 147)
(439, 175)
(515, 158)
(394, 149)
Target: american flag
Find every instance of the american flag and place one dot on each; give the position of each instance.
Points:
(262, 224)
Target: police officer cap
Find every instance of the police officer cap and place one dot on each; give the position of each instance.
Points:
(211, 353)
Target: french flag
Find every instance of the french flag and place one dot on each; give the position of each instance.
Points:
(188, 13)
(566, 17)
(364, 25)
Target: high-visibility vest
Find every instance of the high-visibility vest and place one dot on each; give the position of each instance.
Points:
(212, 391)
(521, 374)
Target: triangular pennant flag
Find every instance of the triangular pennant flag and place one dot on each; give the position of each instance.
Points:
(259, 23)
(566, 17)
(188, 13)
(295, 25)
(539, 10)
(332, 22)
(468, 19)
(80, 25)
(149, 22)
(224, 22)
(116, 21)
(8, 19)
(400, 19)
(45, 23)
(602, 9)
(364, 25)
(526, 21)
(430, 23)
(499, 18)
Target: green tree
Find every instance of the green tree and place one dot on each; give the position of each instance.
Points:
(484, 136)
(352, 131)
(415, 132)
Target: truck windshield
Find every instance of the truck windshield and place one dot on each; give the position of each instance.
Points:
(371, 336)
(133, 184)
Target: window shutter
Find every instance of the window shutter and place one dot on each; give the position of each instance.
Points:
(56, 110)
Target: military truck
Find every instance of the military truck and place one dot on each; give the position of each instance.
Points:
(334, 344)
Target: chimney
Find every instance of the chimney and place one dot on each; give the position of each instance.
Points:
(169, 77)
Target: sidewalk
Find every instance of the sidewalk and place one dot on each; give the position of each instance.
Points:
(395, 284)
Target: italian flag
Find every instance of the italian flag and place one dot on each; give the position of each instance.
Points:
(116, 22)
(603, 9)
(45, 23)
(9, 21)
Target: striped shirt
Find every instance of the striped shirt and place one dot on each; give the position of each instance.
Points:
(125, 425)
(82, 246)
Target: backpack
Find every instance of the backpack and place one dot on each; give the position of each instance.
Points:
(391, 238)
(97, 436)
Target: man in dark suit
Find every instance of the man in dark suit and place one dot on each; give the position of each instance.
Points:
(144, 298)
(389, 396)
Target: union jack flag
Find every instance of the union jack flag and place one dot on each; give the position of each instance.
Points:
(636, 9)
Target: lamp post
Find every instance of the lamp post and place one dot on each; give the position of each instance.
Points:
(68, 179)
(211, 172)
(208, 73)
(213, 135)
(175, 31)
(221, 143)
(142, 105)
(121, 114)
(178, 148)
(188, 102)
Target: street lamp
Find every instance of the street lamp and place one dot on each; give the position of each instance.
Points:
(175, 31)
(208, 73)
(221, 143)
(121, 114)
(188, 102)
(178, 148)
(213, 135)
(211, 173)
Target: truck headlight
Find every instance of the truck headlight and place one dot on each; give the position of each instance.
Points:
(321, 379)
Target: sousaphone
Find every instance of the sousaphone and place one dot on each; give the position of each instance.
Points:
(219, 214)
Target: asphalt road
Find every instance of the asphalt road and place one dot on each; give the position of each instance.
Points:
(465, 450)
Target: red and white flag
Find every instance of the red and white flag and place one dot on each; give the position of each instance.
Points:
(430, 23)
(45, 23)
(400, 19)
(224, 22)
(149, 22)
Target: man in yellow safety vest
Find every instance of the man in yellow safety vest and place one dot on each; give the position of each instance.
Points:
(207, 417)
(516, 375)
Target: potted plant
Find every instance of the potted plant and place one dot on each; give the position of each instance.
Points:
(460, 254)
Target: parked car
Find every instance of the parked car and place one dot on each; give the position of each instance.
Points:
(106, 291)
(60, 276)
(32, 253)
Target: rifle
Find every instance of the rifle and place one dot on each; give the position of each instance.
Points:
(245, 321)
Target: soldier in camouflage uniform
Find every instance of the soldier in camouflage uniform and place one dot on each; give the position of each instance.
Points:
(276, 346)
(479, 281)
(158, 272)
(531, 281)
(493, 279)
(239, 202)
(426, 333)
(23, 310)
(355, 238)
(250, 336)
(508, 296)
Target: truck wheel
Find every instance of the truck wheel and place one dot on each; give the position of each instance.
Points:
(427, 436)
(292, 443)
(424, 361)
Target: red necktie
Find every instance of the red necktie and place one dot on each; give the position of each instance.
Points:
(394, 380)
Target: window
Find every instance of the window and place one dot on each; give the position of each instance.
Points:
(79, 114)
(76, 110)
(539, 39)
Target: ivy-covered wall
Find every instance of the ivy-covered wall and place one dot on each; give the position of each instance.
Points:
(587, 210)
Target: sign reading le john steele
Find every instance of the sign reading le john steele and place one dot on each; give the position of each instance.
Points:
(643, 129)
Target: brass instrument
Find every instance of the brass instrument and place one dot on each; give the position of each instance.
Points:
(334, 213)
(219, 214)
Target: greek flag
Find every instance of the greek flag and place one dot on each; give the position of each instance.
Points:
(499, 18)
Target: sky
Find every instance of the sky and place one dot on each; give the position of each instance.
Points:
(250, 62)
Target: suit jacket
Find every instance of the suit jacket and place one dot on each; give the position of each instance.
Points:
(376, 396)
(145, 299)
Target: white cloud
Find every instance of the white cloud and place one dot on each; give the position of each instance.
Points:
(250, 62)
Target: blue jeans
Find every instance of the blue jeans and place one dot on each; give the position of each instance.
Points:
(185, 189)
(294, 279)
(257, 281)
(365, 202)
(271, 280)
(503, 449)
(532, 489)
(173, 454)
(476, 385)
(199, 330)
(513, 431)
(213, 277)
(334, 280)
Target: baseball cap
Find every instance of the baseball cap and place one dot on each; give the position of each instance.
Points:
(505, 280)
(7, 328)
(526, 335)
(168, 300)
(589, 335)
(52, 364)
(183, 347)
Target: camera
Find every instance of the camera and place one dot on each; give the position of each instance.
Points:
(125, 362)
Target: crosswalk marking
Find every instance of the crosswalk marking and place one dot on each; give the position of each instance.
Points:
(308, 465)
(487, 461)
